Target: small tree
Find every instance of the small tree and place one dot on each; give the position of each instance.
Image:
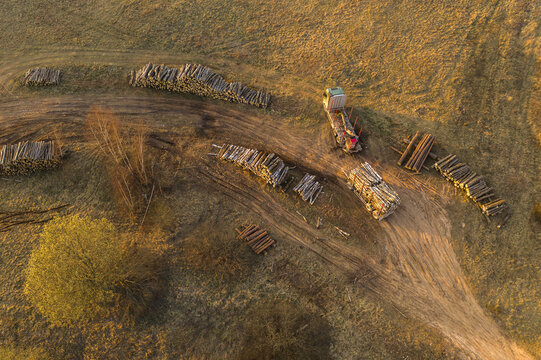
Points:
(84, 269)
(128, 159)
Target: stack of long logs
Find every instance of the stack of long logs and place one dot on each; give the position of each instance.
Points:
(418, 158)
(474, 185)
(258, 239)
(42, 77)
(308, 188)
(26, 157)
(380, 200)
(197, 79)
(268, 166)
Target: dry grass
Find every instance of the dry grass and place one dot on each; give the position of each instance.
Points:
(195, 318)
(277, 329)
(217, 253)
(465, 71)
(15, 353)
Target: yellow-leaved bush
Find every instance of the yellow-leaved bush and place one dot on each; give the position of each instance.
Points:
(85, 269)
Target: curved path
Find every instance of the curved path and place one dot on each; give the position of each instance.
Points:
(419, 273)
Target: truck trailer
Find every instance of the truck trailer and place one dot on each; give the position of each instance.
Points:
(334, 102)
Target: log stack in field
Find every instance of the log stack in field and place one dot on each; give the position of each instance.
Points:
(308, 188)
(380, 200)
(258, 239)
(27, 157)
(42, 77)
(197, 79)
(473, 184)
(419, 155)
(266, 165)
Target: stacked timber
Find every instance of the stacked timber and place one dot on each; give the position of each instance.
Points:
(266, 165)
(308, 188)
(473, 184)
(380, 200)
(343, 129)
(197, 79)
(27, 157)
(42, 77)
(421, 152)
(258, 239)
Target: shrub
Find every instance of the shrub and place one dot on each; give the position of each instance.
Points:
(127, 157)
(283, 330)
(85, 269)
(217, 253)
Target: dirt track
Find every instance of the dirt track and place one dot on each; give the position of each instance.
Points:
(420, 273)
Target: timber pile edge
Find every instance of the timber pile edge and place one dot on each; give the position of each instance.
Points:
(265, 165)
(420, 153)
(473, 184)
(197, 79)
(258, 239)
(308, 188)
(42, 77)
(378, 197)
(26, 157)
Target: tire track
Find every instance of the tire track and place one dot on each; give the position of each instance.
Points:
(419, 272)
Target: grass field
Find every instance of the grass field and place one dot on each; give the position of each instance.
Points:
(469, 73)
(201, 315)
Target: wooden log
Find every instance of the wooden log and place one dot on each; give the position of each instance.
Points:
(423, 154)
(408, 149)
(415, 154)
(200, 80)
(259, 240)
(25, 158)
(379, 199)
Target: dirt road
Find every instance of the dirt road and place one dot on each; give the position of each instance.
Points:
(419, 272)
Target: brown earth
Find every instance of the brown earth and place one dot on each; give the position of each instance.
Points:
(417, 269)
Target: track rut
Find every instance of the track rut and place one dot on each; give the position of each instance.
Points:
(419, 272)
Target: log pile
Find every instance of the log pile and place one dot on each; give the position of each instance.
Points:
(344, 131)
(421, 152)
(258, 239)
(27, 157)
(197, 79)
(308, 188)
(266, 165)
(42, 77)
(380, 200)
(473, 184)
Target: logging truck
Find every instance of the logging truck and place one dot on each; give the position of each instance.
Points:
(334, 102)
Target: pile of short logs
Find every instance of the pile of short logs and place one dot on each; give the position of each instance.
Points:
(308, 188)
(474, 185)
(380, 200)
(258, 239)
(26, 157)
(266, 165)
(197, 79)
(42, 77)
(421, 152)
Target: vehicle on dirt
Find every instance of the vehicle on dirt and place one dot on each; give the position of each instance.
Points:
(334, 102)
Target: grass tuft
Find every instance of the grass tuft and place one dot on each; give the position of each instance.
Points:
(218, 253)
(279, 329)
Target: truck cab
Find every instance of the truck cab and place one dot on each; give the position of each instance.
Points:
(334, 99)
